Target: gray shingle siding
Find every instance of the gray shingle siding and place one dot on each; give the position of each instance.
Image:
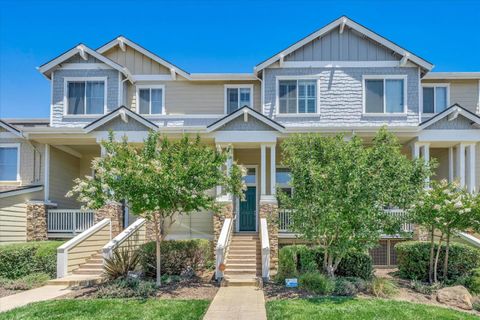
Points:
(58, 94)
(341, 101)
(460, 123)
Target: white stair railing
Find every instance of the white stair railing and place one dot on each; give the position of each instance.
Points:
(470, 239)
(222, 246)
(77, 250)
(265, 249)
(132, 237)
(72, 221)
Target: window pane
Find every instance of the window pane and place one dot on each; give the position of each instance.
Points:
(374, 96)
(232, 99)
(440, 99)
(95, 97)
(144, 103)
(76, 98)
(250, 176)
(428, 100)
(157, 101)
(8, 164)
(244, 97)
(394, 99)
(288, 96)
(307, 93)
(283, 176)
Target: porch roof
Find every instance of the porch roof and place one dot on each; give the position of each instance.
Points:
(451, 114)
(124, 113)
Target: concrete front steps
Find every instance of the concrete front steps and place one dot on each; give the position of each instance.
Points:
(243, 261)
(92, 267)
(89, 273)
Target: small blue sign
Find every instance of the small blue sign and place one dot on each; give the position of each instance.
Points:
(291, 283)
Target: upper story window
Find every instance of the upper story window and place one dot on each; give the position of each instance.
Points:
(238, 96)
(85, 96)
(435, 97)
(385, 94)
(151, 99)
(9, 162)
(297, 96)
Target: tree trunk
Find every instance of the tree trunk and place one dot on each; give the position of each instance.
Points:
(159, 274)
(445, 265)
(432, 254)
(435, 278)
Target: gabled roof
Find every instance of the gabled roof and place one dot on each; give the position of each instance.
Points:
(452, 112)
(122, 112)
(245, 111)
(10, 128)
(81, 49)
(342, 22)
(121, 40)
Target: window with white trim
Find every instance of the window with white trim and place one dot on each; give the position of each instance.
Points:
(9, 162)
(283, 176)
(435, 98)
(85, 97)
(297, 96)
(150, 100)
(384, 95)
(238, 97)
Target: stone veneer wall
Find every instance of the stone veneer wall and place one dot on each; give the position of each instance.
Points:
(226, 211)
(37, 220)
(269, 210)
(420, 233)
(114, 212)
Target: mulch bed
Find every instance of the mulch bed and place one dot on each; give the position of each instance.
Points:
(274, 291)
(6, 292)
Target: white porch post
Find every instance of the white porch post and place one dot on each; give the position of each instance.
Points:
(47, 174)
(422, 149)
(273, 171)
(228, 168)
(450, 165)
(471, 167)
(263, 167)
(461, 164)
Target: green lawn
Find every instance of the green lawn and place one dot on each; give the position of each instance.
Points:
(110, 309)
(357, 309)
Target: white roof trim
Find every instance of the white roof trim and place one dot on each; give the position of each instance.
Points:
(10, 128)
(451, 114)
(123, 113)
(452, 75)
(223, 76)
(78, 50)
(16, 192)
(348, 22)
(122, 41)
(245, 111)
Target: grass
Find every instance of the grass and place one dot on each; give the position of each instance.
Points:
(101, 309)
(358, 309)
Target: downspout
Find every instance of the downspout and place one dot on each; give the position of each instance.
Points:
(262, 90)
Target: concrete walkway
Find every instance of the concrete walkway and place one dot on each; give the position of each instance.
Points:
(237, 303)
(39, 294)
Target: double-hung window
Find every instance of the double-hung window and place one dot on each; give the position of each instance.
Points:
(385, 95)
(9, 162)
(151, 100)
(238, 96)
(297, 96)
(85, 97)
(435, 98)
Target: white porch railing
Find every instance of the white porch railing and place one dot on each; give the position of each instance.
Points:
(285, 221)
(132, 237)
(265, 249)
(69, 221)
(222, 246)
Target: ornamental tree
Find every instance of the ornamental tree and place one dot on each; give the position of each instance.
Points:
(445, 209)
(341, 187)
(158, 180)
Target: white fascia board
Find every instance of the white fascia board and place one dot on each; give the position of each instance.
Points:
(452, 75)
(145, 52)
(227, 137)
(449, 135)
(12, 193)
(117, 113)
(387, 43)
(240, 112)
(223, 76)
(460, 111)
(11, 129)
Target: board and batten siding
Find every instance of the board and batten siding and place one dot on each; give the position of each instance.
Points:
(463, 92)
(13, 217)
(64, 168)
(183, 97)
(136, 62)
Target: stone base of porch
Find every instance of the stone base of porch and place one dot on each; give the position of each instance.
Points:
(269, 210)
(114, 212)
(37, 220)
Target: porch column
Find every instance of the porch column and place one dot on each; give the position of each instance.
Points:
(461, 164)
(471, 155)
(228, 167)
(450, 165)
(273, 171)
(263, 170)
(422, 149)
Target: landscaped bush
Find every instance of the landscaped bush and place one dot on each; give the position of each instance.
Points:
(413, 260)
(20, 260)
(126, 289)
(298, 259)
(473, 281)
(27, 282)
(343, 287)
(383, 288)
(315, 282)
(177, 256)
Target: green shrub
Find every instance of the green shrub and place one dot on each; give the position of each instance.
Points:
(317, 283)
(356, 264)
(424, 288)
(383, 288)
(121, 262)
(476, 305)
(287, 263)
(126, 289)
(27, 282)
(413, 260)
(360, 284)
(473, 281)
(19, 260)
(343, 287)
(177, 256)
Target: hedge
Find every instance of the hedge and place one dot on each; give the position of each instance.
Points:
(296, 260)
(22, 259)
(177, 256)
(413, 260)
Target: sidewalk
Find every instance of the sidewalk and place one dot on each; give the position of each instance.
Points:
(39, 294)
(237, 303)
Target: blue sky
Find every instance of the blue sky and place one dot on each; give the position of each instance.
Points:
(214, 36)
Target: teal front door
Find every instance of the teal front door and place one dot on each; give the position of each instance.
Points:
(248, 209)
